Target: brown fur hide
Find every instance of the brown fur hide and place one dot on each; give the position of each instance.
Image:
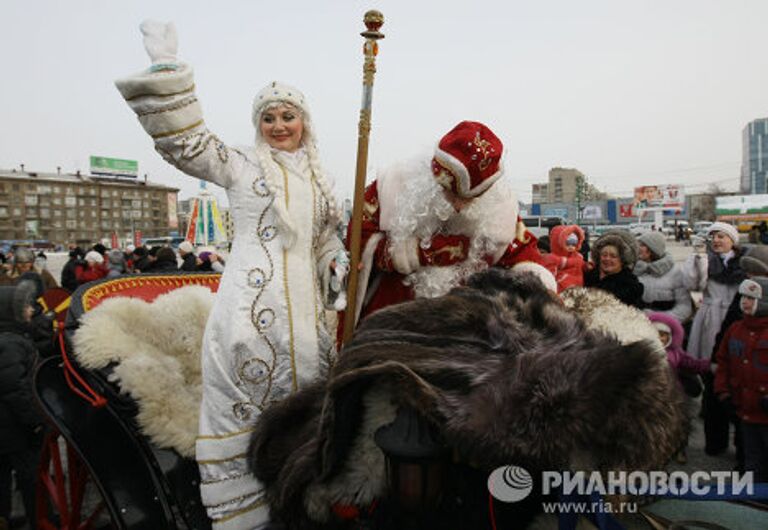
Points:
(505, 373)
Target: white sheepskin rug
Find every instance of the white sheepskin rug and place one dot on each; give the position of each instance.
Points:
(604, 312)
(157, 346)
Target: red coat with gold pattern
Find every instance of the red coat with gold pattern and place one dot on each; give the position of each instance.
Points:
(384, 286)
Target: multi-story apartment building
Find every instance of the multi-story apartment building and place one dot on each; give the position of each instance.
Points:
(563, 186)
(75, 208)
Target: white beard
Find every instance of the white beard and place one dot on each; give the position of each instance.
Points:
(413, 205)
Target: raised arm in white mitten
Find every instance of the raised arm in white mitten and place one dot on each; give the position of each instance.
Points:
(161, 43)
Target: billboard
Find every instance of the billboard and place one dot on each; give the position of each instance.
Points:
(663, 197)
(114, 167)
(742, 207)
(592, 212)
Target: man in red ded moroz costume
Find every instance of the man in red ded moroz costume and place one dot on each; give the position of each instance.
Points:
(428, 226)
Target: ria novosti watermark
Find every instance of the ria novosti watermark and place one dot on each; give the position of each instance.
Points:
(514, 483)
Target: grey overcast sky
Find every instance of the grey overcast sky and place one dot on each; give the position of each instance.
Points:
(629, 92)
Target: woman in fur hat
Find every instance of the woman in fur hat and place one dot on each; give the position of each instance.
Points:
(614, 255)
(266, 336)
(663, 286)
(24, 261)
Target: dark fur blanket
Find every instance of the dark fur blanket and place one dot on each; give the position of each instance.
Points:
(505, 373)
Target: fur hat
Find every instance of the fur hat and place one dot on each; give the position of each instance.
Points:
(277, 92)
(756, 288)
(13, 300)
(116, 257)
(23, 255)
(655, 242)
(94, 256)
(727, 228)
(540, 272)
(186, 247)
(755, 261)
(468, 159)
(623, 241)
(101, 249)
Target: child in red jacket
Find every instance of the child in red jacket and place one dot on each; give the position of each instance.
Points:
(742, 373)
(565, 262)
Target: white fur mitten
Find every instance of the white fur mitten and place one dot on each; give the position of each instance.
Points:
(160, 41)
(338, 283)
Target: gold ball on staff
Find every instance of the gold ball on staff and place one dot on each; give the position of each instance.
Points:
(373, 20)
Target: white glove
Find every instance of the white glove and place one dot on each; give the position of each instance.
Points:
(160, 41)
(337, 280)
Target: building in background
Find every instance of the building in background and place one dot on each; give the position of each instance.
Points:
(565, 185)
(76, 208)
(754, 163)
(539, 193)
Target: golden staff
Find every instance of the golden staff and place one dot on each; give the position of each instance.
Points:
(373, 21)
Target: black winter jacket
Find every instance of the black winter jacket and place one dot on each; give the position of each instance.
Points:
(19, 412)
(624, 285)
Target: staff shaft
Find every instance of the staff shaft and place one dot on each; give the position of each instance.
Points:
(373, 21)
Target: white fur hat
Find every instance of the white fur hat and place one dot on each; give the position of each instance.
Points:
(539, 271)
(278, 92)
(95, 257)
(726, 228)
(186, 247)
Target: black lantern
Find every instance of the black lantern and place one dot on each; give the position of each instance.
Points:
(416, 463)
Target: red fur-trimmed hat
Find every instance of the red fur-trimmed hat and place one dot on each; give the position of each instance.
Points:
(468, 159)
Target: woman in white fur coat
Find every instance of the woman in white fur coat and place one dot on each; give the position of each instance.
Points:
(718, 274)
(266, 336)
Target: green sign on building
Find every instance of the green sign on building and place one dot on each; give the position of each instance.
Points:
(101, 165)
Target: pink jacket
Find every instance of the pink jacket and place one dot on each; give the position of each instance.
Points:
(567, 267)
(678, 358)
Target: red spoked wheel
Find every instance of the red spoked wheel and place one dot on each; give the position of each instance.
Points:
(66, 497)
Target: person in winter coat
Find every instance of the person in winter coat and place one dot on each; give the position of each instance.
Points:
(742, 379)
(165, 261)
(565, 261)
(21, 424)
(663, 286)
(686, 368)
(141, 262)
(717, 419)
(266, 336)
(24, 261)
(718, 274)
(614, 255)
(95, 269)
(210, 262)
(116, 263)
(188, 258)
(69, 271)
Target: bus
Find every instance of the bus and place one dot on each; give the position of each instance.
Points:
(167, 241)
(540, 225)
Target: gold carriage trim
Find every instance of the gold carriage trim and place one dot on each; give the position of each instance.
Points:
(92, 296)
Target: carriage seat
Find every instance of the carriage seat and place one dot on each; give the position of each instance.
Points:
(144, 334)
